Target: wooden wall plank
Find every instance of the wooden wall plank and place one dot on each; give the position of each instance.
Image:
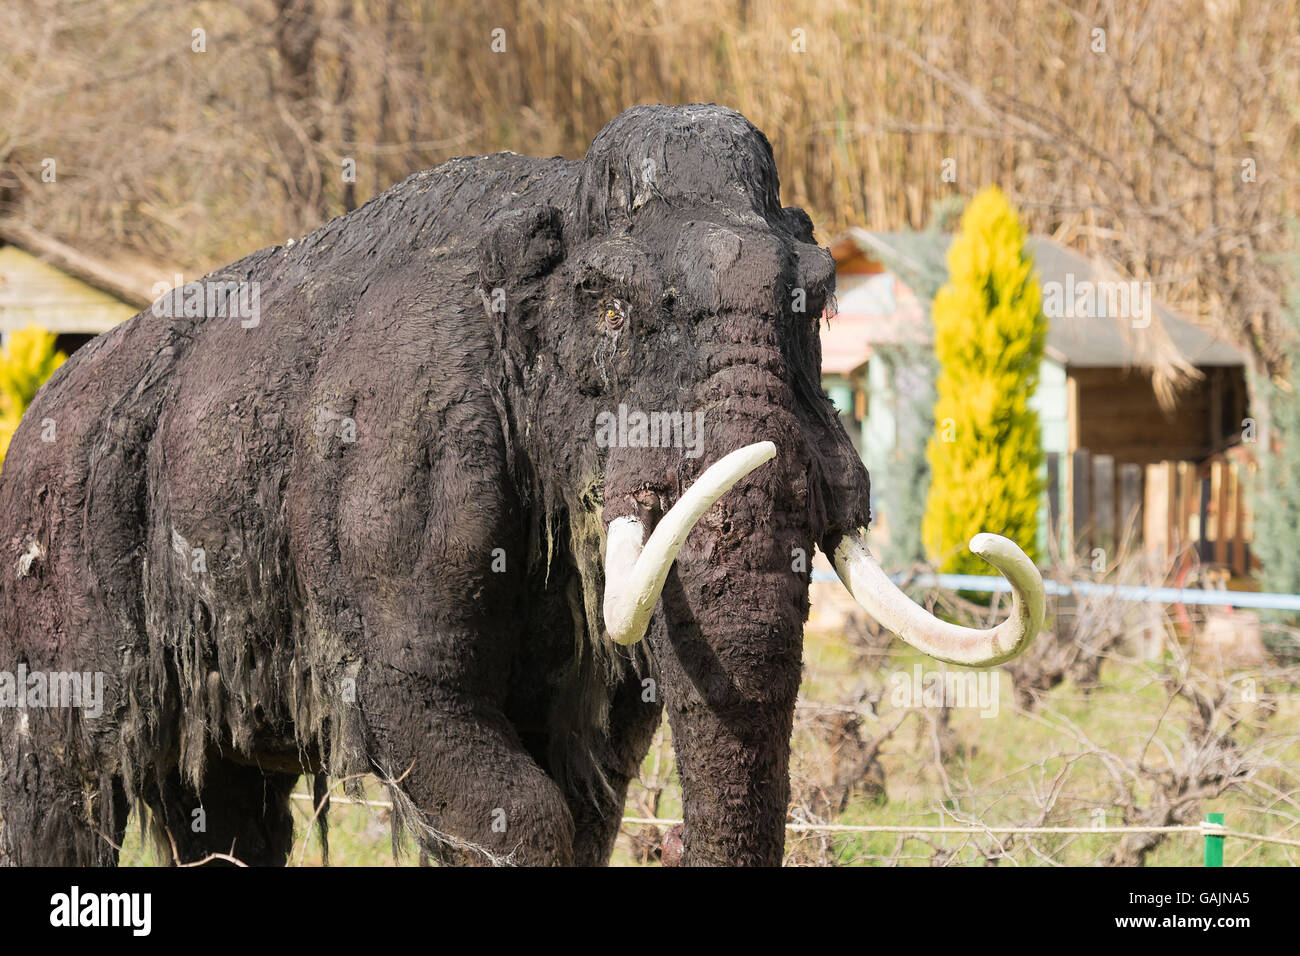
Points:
(1118, 414)
(1219, 483)
(1239, 534)
(1130, 504)
(1155, 513)
(1081, 502)
(1103, 506)
(1186, 508)
(1071, 413)
(1054, 496)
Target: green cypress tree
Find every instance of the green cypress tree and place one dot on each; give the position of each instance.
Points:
(989, 333)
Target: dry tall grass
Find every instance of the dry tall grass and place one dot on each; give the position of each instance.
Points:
(1129, 142)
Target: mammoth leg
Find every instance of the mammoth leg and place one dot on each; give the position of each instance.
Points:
(240, 811)
(476, 795)
(416, 534)
(597, 812)
(47, 815)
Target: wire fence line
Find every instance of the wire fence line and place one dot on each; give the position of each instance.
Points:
(1203, 829)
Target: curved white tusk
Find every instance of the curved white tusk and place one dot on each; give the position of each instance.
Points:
(635, 574)
(884, 601)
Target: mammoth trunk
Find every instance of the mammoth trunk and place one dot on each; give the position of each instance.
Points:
(730, 661)
(728, 643)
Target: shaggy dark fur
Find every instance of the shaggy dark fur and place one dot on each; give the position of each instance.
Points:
(424, 602)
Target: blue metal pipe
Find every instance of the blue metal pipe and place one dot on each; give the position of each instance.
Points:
(1122, 592)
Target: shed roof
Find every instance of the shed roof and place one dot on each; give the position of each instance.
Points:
(49, 283)
(1083, 341)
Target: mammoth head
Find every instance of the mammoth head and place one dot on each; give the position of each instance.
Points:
(661, 350)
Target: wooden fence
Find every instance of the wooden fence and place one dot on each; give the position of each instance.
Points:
(1167, 508)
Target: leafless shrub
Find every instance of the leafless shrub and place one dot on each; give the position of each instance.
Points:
(1084, 629)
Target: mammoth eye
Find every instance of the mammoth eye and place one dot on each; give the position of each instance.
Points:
(615, 314)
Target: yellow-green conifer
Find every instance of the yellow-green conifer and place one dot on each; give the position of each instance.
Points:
(989, 332)
(25, 363)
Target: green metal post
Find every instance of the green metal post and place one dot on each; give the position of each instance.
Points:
(1213, 844)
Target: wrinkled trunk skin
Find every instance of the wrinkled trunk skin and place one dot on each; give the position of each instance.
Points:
(728, 643)
(731, 702)
(728, 640)
(731, 655)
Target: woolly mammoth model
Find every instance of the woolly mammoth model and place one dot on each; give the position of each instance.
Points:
(404, 496)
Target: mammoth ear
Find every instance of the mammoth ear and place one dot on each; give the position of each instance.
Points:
(519, 247)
